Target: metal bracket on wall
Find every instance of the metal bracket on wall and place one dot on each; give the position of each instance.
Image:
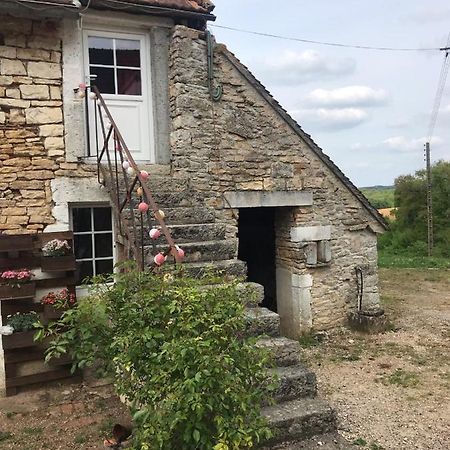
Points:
(217, 91)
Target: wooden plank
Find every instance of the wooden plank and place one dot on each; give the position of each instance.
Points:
(16, 242)
(21, 306)
(23, 355)
(28, 261)
(18, 340)
(66, 281)
(10, 370)
(26, 380)
(43, 238)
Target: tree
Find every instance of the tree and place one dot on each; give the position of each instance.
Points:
(408, 233)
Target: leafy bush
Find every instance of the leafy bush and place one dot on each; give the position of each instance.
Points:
(177, 353)
(22, 321)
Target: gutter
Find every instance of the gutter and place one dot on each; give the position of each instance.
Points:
(48, 3)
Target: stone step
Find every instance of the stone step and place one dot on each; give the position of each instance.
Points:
(294, 382)
(202, 251)
(286, 352)
(252, 294)
(189, 215)
(326, 441)
(299, 419)
(196, 232)
(262, 322)
(230, 267)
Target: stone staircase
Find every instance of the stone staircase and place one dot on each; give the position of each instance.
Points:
(299, 419)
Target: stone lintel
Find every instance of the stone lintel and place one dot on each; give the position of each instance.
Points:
(256, 199)
(314, 233)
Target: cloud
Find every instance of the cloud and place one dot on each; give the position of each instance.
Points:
(349, 96)
(331, 119)
(293, 67)
(403, 144)
(430, 15)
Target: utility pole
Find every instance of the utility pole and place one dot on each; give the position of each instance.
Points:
(429, 200)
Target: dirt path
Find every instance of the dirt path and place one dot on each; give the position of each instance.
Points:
(392, 391)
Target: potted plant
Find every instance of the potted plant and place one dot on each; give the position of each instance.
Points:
(57, 256)
(56, 304)
(19, 330)
(16, 284)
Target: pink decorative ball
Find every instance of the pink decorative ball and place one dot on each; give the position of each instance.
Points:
(82, 86)
(155, 233)
(143, 207)
(159, 259)
(180, 252)
(145, 175)
(131, 171)
(125, 165)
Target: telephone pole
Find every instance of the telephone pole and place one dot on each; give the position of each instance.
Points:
(429, 200)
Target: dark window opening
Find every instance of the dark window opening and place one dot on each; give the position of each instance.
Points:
(257, 248)
(93, 241)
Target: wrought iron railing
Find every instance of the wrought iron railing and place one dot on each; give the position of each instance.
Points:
(117, 169)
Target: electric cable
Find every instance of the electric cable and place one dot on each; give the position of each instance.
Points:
(332, 44)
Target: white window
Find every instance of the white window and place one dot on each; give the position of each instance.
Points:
(93, 240)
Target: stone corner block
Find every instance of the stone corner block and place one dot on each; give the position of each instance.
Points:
(312, 233)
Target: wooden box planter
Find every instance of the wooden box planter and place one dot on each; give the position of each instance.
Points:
(25, 290)
(50, 312)
(19, 340)
(58, 263)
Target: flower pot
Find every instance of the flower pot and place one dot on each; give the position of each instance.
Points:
(50, 312)
(25, 290)
(19, 340)
(57, 263)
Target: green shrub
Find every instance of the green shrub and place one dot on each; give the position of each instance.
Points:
(22, 321)
(177, 353)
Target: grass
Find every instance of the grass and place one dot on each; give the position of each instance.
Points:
(5, 435)
(401, 378)
(33, 431)
(412, 262)
(80, 439)
(308, 340)
(380, 196)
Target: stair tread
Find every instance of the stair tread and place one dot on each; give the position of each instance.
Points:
(326, 441)
(295, 409)
(291, 371)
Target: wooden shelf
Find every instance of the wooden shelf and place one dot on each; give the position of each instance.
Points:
(12, 243)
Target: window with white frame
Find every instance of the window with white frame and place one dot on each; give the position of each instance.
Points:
(93, 240)
(116, 63)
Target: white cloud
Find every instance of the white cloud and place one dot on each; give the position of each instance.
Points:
(292, 67)
(430, 15)
(332, 119)
(349, 96)
(404, 144)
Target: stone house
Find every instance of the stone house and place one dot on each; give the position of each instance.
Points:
(242, 186)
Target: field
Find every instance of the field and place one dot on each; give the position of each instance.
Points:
(380, 196)
(391, 391)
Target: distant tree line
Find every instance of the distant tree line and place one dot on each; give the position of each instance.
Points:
(408, 233)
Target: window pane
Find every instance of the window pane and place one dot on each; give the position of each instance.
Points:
(129, 82)
(83, 246)
(102, 219)
(101, 51)
(103, 245)
(84, 269)
(104, 80)
(104, 266)
(81, 219)
(128, 53)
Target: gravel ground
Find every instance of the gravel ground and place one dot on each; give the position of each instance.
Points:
(392, 390)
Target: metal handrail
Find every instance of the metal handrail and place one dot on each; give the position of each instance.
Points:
(121, 154)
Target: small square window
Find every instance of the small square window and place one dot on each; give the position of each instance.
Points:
(93, 241)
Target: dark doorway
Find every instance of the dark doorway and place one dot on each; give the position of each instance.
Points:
(257, 248)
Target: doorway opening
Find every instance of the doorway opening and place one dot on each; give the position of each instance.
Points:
(256, 232)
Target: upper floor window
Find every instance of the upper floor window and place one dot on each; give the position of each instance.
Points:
(117, 65)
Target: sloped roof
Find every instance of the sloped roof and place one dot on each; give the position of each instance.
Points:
(299, 131)
(196, 6)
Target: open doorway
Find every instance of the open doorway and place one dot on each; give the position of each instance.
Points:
(256, 232)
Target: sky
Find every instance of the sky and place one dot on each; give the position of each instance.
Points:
(368, 110)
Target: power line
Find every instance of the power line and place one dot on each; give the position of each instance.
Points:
(439, 91)
(333, 44)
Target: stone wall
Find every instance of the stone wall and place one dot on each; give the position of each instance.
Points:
(242, 143)
(32, 148)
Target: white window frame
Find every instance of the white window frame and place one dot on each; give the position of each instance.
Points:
(92, 206)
